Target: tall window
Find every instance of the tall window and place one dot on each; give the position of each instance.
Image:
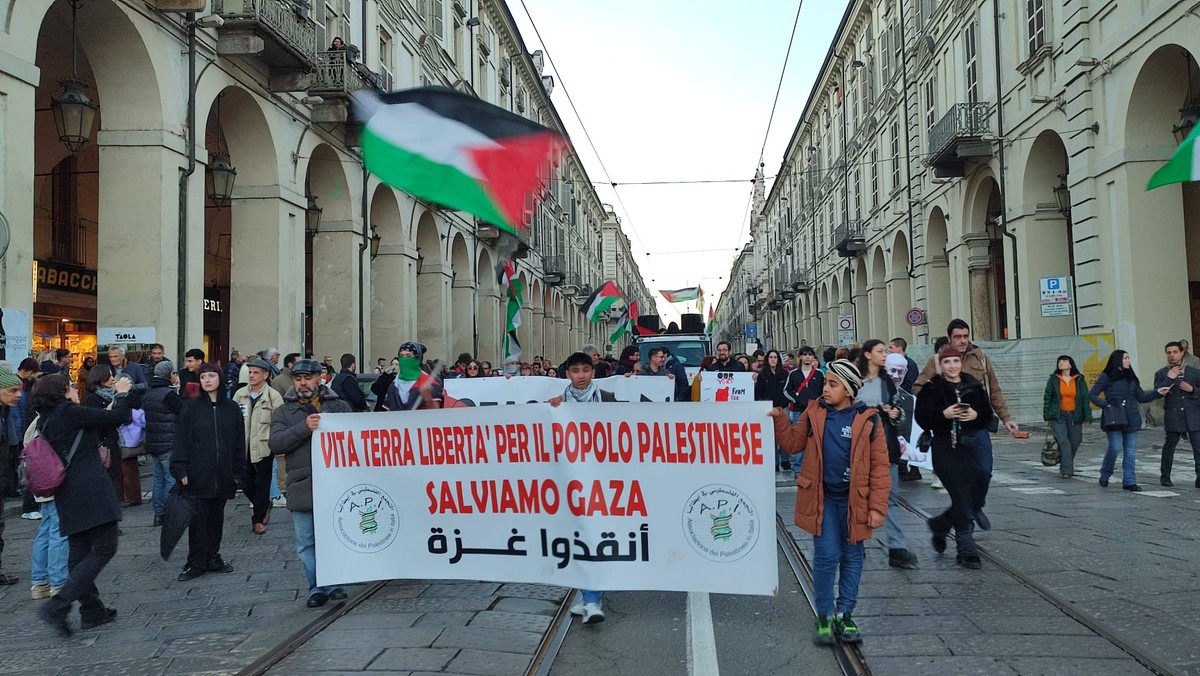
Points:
(435, 19)
(930, 102)
(1036, 24)
(972, 62)
(895, 155)
(875, 176)
(884, 59)
(858, 192)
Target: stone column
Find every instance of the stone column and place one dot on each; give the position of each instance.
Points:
(491, 327)
(16, 171)
(465, 313)
(138, 263)
(267, 278)
(336, 263)
(393, 299)
(979, 266)
(433, 291)
(899, 294)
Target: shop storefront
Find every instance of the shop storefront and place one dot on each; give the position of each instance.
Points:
(64, 311)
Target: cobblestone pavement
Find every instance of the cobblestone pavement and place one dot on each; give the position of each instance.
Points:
(1127, 560)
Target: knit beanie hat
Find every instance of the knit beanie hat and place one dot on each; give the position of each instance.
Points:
(847, 372)
(164, 369)
(8, 378)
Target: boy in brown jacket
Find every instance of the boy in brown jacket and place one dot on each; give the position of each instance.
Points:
(842, 492)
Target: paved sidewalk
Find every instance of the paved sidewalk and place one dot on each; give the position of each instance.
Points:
(1128, 560)
(220, 623)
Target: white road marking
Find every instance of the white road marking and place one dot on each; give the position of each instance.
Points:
(1037, 490)
(702, 640)
(1158, 494)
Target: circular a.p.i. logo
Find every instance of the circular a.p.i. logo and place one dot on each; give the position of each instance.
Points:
(366, 519)
(720, 523)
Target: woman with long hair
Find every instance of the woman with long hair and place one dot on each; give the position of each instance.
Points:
(1066, 409)
(87, 505)
(879, 391)
(953, 406)
(1120, 388)
(769, 387)
(472, 370)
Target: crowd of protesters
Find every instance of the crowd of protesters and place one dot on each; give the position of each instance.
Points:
(842, 424)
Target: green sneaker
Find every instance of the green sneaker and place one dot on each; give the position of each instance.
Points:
(823, 635)
(845, 629)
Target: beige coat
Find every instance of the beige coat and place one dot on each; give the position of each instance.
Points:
(257, 423)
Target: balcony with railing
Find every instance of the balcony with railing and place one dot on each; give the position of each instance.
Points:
(337, 76)
(799, 281)
(554, 270)
(959, 136)
(848, 239)
(274, 31)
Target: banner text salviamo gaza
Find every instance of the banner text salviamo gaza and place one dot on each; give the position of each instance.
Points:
(578, 441)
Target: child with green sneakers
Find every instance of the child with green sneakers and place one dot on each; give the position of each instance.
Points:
(842, 493)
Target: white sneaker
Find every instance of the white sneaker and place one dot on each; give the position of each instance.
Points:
(279, 502)
(592, 613)
(577, 609)
(32, 516)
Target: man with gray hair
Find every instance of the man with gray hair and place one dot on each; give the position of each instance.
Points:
(271, 355)
(590, 350)
(122, 366)
(1189, 359)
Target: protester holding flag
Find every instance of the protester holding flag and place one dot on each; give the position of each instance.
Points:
(412, 388)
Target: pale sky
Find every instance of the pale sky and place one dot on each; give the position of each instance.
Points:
(675, 91)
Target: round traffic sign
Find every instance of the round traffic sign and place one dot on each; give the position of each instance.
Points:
(845, 324)
(915, 317)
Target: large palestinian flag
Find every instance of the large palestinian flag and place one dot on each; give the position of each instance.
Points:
(682, 295)
(447, 147)
(603, 298)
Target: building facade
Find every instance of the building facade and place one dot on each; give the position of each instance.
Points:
(958, 157)
(137, 227)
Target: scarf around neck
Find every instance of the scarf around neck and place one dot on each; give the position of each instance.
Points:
(588, 394)
(106, 393)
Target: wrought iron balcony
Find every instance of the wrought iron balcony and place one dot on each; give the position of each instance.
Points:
(336, 76)
(959, 136)
(554, 270)
(276, 32)
(799, 282)
(848, 239)
(573, 286)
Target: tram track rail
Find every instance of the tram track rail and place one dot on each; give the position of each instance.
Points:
(849, 656)
(1093, 624)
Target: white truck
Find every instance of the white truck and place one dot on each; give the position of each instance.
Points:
(687, 348)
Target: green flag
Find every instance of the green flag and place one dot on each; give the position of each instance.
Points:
(1183, 166)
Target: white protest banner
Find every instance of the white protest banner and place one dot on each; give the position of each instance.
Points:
(726, 386)
(600, 496)
(533, 389)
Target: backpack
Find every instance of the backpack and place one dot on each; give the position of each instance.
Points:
(42, 467)
(133, 434)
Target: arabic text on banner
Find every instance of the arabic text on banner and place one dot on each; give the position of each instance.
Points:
(665, 496)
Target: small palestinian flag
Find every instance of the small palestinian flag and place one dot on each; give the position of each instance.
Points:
(447, 147)
(682, 295)
(712, 319)
(603, 298)
(625, 325)
(1183, 166)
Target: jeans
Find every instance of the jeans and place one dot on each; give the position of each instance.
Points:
(306, 550)
(591, 595)
(984, 461)
(832, 552)
(275, 491)
(1119, 440)
(163, 481)
(891, 523)
(50, 550)
(962, 478)
(91, 551)
(797, 458)
(1069, 435)
(1168, 451)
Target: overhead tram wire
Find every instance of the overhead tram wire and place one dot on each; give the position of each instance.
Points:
(774, 104)
(562, 83)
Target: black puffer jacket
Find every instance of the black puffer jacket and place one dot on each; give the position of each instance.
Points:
(291, 437)
(769, 387)
(162, 405)
(86, 498)
(939, 393)
(210, 447)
